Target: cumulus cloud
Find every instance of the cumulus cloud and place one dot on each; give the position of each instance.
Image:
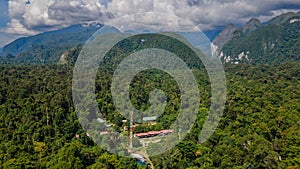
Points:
(68, 12)
(152, 21)
(239, 11)
(147, 14)
(206, 13)
(43, 15)
(15, 27)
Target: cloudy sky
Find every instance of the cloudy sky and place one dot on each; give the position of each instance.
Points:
(22, 19)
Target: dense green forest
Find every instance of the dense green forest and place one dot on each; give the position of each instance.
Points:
(260, 127)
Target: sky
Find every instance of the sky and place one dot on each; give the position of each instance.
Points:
(4, 20)
(18, 18)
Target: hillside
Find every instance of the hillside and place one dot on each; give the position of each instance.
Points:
(54, 46)
(272, 42)
(281, 19)
(276, 42)
(49, 46)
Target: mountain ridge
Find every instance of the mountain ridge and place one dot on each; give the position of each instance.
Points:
(275, 42)
(47, 47)
(251, 43)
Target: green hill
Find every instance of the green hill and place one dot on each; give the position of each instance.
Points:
(276, 42)
(47, 47)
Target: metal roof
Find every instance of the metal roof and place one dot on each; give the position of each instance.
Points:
(153, 133)
(151, 118)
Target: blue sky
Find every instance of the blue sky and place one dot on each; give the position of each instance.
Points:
(19, 19)
(4, 19)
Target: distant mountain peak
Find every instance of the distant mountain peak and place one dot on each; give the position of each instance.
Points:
(251, 25)
(276, 42)
(226, 34)
(48, 47)
(284, 18)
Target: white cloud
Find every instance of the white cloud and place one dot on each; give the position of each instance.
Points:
(15, 27)
(154, 10)
(153, 21)
(42, 15)
(205, 13)
(68, 12)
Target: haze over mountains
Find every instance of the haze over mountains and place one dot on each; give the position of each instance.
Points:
(272, 42)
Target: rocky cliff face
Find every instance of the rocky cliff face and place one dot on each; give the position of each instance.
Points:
(231, 31)
(226, 35)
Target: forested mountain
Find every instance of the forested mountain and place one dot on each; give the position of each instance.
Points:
(275, 42)
(54, 46)
(225, 35)
(287, 17)
(49, 46)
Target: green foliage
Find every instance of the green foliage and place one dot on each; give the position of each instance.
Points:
(270, 44)
(46, 47)
(259, 129)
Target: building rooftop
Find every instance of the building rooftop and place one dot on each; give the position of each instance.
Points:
(151, 118)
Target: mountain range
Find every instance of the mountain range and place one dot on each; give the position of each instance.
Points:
(275, 41)
(47, 47)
